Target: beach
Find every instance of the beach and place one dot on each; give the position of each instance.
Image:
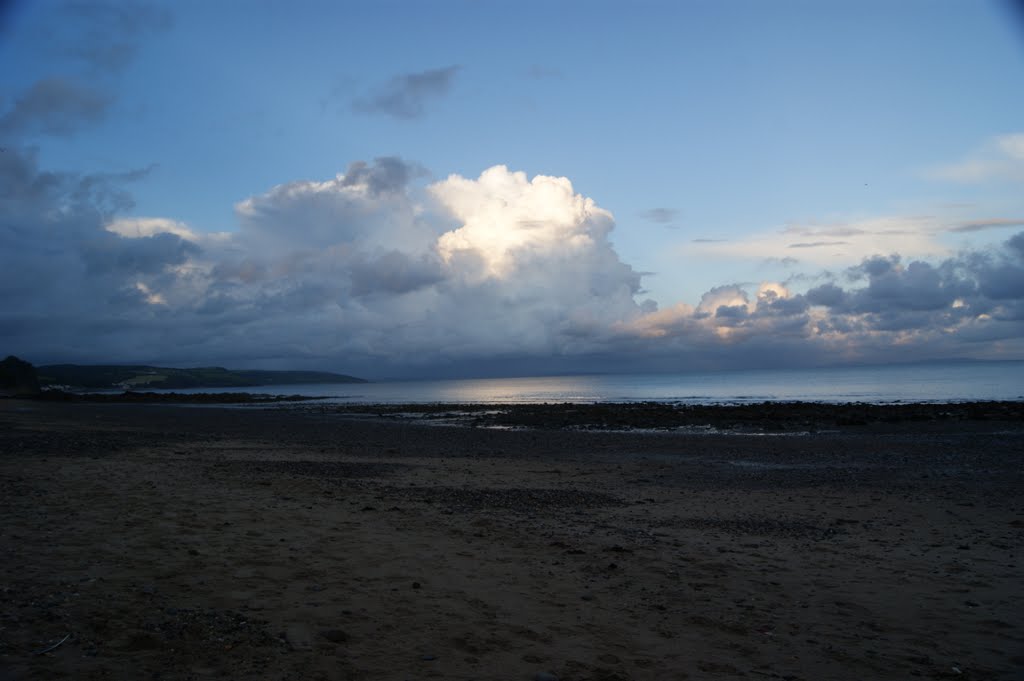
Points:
(152, 541)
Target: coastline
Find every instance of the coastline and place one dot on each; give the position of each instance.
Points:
(763, 417)
(308, 543)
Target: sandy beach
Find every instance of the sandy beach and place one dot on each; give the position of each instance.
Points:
(168, 542)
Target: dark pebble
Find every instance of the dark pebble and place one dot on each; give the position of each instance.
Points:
(335, 635)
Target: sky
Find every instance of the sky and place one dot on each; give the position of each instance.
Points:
(426, 189)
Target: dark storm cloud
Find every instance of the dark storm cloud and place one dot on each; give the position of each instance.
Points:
(405, 96)
(967, 292)
(109, 253)
(890, 311)
(62, 274)
(731, 312)
(874, 266)
(54, 106)
(1003, 282)
(918, 286)
(1015, 245)
(35, 200)
(828, 295)
(781, 306)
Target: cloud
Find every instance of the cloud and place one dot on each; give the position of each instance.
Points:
(731, 296)
(916, 286)
(1015, 245)
(782, 262)
(982, 225)
(827, 295)
(102, 37)
(660, 215)
(970, 304)
(393, 273)
(54, 106)
(143, 255)
(61, 270)
(379, 271)
(362, 265)
(1001, 158)
(832, 244)
(92, 40)
(367, 206)
(387, 174)
(405, 96)
(140, 227)
(818, 244)
(107, 35)
(506, 217)
(134, 228)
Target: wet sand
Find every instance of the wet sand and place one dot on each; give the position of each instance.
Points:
(194, 542)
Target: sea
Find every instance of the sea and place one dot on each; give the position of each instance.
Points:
(923, 382)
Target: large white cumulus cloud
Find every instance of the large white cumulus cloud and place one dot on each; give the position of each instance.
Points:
(469, 268)
(376, 272)
(537, 254)
(507, 218)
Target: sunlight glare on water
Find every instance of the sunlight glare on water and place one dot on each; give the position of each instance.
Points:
(909, 383)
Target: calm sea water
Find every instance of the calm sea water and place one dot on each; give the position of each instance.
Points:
(908, 383)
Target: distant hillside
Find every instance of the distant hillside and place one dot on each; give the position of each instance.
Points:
(17, 377)
(100, 377)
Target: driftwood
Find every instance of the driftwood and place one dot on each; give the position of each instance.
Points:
(54, 646)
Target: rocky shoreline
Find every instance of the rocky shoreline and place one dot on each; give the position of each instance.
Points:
(757, 417)
(747, 417)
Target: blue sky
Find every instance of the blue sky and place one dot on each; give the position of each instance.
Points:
(735, 155)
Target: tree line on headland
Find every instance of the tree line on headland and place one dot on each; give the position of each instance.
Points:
(18, 377)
